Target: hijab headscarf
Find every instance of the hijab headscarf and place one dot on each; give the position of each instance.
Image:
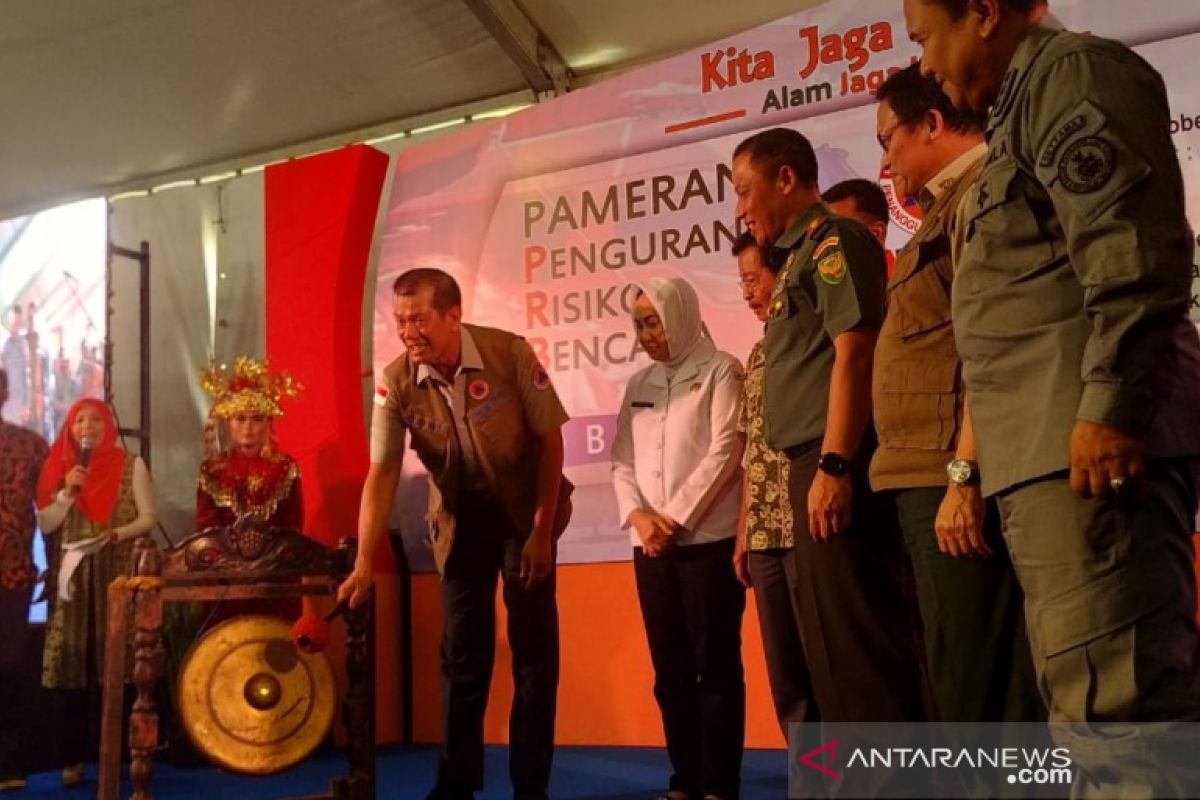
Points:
(98, 496)
(678, 308)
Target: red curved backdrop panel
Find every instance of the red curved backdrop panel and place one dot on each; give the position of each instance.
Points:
(320, 216)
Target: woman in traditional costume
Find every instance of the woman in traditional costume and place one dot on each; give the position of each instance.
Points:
(244, 475)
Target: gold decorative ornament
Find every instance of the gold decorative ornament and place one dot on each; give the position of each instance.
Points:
(248, 388)
(250, 701)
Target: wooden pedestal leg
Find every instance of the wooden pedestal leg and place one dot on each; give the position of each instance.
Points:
(358, 709)
(113, 684)
(147, 665)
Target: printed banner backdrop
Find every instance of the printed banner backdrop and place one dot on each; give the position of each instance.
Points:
(547, 218)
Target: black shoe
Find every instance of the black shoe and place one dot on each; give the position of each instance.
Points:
(443, 793)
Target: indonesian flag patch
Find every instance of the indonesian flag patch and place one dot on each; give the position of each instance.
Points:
(381, 396)
(540, 379)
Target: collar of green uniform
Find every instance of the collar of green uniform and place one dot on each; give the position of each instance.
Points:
(799, 229)
(1028, 49)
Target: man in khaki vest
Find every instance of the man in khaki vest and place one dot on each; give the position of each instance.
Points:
(975, 646)
(485, 421)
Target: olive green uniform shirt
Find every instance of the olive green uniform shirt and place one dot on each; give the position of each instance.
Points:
(1070, 300)
(833, 279)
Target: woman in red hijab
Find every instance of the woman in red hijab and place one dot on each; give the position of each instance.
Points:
(98, 498)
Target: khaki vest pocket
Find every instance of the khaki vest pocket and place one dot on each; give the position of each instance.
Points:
(916, 406)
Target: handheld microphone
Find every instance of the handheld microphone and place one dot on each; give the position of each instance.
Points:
(86, 444)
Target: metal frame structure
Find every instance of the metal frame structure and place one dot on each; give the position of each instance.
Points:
(142, 257)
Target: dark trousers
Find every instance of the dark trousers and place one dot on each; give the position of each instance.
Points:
(773, 574)
(485, 548)
(857, 621)
(692, 606)
(14, 630)
(81, 740)
(976, 649)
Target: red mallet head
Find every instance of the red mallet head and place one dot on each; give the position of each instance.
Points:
(310, 633)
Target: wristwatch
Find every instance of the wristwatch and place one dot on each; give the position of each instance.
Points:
(833, 464)
(962, 472)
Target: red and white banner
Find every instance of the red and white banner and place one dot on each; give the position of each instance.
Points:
(546, 217)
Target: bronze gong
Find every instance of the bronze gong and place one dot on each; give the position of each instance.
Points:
(252, 702)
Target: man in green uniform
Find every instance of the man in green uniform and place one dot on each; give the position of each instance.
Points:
(824, 315)
(1080, 363)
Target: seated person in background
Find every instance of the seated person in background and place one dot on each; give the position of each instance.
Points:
(104, 495)
(244, 477)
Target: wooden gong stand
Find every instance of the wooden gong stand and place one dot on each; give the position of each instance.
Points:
(221, 564)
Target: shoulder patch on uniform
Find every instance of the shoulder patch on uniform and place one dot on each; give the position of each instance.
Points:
(381, 395)
(540, 379)
(815, 226)
(1072, 127)
(825, 246)
(832, 268)
(1087, 164)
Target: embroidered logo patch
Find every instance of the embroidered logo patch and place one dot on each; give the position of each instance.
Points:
(825, 246)
(832, 268)
(1073, 126)
(479, 389)
(541, 380)
(1087, 165)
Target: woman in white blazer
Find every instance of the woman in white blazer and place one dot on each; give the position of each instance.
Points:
(676, 471)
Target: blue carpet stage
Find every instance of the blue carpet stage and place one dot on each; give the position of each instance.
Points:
(580, 773)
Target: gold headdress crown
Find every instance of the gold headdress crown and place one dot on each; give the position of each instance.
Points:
(249, 388)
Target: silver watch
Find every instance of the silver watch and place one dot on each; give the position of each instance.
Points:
(962, 472)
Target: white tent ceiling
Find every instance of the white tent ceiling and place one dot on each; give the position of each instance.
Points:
(104, 95)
